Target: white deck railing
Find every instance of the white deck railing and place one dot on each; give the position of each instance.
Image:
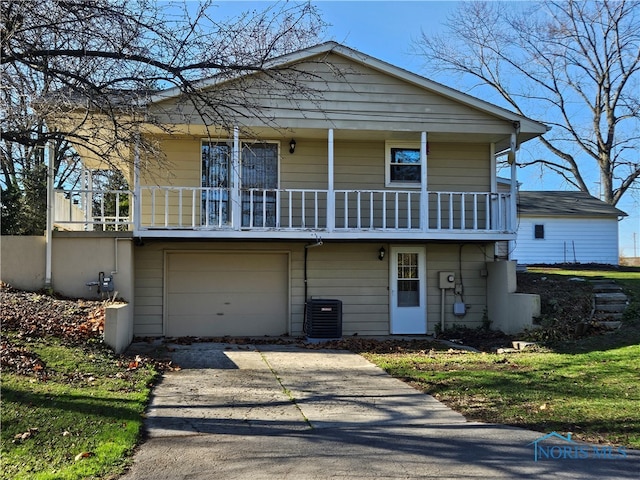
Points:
(93, 210)
(199, 208)
(305, 209)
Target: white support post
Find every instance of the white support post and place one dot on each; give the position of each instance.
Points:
(137, 196)
(87, 198)
(494, 168)
(331, 196)
(50, 210)
(236, 201)
(512, 220)
(424, 195)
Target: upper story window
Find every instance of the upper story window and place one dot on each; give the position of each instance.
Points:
(403, 164)
(538, 232)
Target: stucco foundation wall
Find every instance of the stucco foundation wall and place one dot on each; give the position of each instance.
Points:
(509, 312)
(77, 258)
(22, 261)
(118, 327)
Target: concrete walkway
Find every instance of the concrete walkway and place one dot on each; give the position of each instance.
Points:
(281, 412)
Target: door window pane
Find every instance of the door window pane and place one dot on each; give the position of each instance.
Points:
(216, 158)
(260, 174)
(408, 280)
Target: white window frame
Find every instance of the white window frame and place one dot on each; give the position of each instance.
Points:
(387, 164)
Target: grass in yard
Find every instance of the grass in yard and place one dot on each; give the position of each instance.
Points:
(588, 386)
(595, 395)
(76, 415)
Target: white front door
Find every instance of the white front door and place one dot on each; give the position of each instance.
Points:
(408, 290)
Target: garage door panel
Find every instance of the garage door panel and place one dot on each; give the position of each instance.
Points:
(201, 326)
(214, 304)
(226, 262)
(230, 293)
(185, 282)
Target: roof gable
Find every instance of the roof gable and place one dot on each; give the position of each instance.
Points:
(528, 128)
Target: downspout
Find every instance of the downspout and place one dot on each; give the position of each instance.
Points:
(49, 228)
(306, 286)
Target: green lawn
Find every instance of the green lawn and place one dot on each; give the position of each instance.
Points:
(77, 417)
(589, 387)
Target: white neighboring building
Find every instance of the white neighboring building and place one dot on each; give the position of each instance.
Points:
(565, 227)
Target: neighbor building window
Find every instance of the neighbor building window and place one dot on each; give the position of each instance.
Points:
(404, 165)
(538, 232)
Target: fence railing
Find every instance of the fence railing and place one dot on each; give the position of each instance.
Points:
(93, 210)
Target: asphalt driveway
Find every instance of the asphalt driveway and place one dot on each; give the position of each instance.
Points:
(281, 412)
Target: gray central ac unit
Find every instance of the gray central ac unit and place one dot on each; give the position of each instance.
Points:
(324, 319)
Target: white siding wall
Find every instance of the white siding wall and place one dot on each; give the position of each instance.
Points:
(594, 240)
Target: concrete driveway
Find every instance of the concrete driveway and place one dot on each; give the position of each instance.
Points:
(281, 412)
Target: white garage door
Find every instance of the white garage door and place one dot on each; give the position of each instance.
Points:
(221, 293)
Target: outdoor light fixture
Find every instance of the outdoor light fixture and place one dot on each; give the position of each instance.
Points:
(381, 253)
(292, 146)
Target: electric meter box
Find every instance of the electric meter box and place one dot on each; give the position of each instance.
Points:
(447, 280)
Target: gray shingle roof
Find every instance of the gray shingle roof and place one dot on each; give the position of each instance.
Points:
(564, 203)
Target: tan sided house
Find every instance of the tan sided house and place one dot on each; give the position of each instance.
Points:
(380, 197)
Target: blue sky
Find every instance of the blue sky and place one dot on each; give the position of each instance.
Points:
(385, 30)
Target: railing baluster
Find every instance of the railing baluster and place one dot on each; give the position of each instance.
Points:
(117, 211)
(153, 207)
(277, 212)
(463, 212)
(264, 208)
(315, 209)
(371, 200)
(475, 211)
(409, 210)
(70, 208)
(193, 208)
(180, 190)
(101, 216)
(489, 211)
(166, 207)
(346, 209)
(384, 210)
(250, 208)
(220, 194)
(291, 209)
(395, 225)
(450, 211)
(358, 210)
(303, 205)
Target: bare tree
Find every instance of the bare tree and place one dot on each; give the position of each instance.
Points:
(80, 72)
(573, 65)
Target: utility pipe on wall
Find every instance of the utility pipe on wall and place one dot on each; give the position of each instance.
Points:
(49, 232)
(306, 289)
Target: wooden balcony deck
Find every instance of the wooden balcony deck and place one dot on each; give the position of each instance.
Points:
(195, 212)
